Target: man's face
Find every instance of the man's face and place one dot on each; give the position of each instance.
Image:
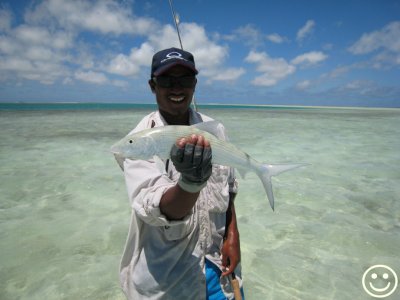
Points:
(174, 100)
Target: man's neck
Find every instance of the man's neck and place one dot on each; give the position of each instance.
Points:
(176, 119)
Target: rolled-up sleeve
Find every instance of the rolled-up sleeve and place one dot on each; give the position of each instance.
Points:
(233, 184)
(146, 185)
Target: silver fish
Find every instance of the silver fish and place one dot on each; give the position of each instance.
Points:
(157, 142)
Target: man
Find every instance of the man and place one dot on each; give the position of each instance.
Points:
(183, 241)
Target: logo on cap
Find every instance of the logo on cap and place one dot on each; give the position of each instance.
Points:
(173, 55)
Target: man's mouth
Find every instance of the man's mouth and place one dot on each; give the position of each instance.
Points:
(176, 98)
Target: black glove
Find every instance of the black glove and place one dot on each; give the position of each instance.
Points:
(194, 164)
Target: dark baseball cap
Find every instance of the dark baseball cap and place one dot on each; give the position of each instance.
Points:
(166, 59)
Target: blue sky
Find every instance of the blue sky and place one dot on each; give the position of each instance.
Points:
(335, 53)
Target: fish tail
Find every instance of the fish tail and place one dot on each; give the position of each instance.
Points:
(265, 173)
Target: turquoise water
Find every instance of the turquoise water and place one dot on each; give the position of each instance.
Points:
(123, 106)
(64, 211)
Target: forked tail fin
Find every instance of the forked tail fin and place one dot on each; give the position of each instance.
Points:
(267, 171)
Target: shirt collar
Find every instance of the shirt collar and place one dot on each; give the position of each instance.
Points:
(194, 118)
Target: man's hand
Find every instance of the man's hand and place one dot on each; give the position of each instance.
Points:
(192, 158)
(230, 254)
(230, 251)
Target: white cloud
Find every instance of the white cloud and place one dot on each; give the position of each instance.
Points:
(306, 30)
(387, 38)
(40, 35)
(50, 45)
(362, 87)
(249, 35)
(355, 84)
(209, 56)
(122, 65)
(120, 83)
(143, 55)
(386, 42)
(276, 38)
(67, 80)
(8, 45)
(131, 65)
(91, 77)
(230, 74)
(84, 58)
(104, 16)
(339, 71)
(16, 64)
(32, 35)
(385, 60)
(253, 37)
(302, 85)
(41, 71)
(309, 58)
(5, 19)
(225, 37)
(273, 69)
(30, 53)
(166, 37)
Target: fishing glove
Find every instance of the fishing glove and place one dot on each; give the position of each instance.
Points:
(194, 164)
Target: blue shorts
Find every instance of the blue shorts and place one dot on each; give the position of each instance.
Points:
(214, 291)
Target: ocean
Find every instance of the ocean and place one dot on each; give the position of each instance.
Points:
(64, 210)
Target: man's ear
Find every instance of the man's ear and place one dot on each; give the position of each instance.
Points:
(152, 86)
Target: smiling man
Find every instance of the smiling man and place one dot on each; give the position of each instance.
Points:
(183, 240)
(173, 81)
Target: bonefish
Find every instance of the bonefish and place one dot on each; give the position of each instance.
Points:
(157, 142)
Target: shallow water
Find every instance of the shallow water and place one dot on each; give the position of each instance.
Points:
(64, 212)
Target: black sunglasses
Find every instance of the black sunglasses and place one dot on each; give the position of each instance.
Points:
(169, 81)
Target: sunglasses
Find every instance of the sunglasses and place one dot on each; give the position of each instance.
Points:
(170, 81)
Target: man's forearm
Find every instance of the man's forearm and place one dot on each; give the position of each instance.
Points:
(176, 203)
(231, 228)
(231, 246)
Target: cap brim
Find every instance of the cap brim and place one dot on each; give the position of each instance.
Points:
(165, 68)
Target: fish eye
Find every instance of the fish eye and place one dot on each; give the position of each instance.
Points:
(130, 141)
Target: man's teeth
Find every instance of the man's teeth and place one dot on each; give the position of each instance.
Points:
(176, 98)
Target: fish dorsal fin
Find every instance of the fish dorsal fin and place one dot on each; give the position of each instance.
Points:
(212, 127)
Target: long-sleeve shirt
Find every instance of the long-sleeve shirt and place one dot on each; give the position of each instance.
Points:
(165, 259)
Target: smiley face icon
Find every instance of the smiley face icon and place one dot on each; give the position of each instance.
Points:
(379, 281)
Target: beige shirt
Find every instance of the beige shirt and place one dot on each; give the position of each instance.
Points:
(165, 259)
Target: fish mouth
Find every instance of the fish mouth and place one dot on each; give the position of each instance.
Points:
(114, 149)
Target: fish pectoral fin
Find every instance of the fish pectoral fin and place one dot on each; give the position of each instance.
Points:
(159, 163)
(212, 127)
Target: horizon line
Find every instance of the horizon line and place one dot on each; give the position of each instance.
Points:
(208, 104)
